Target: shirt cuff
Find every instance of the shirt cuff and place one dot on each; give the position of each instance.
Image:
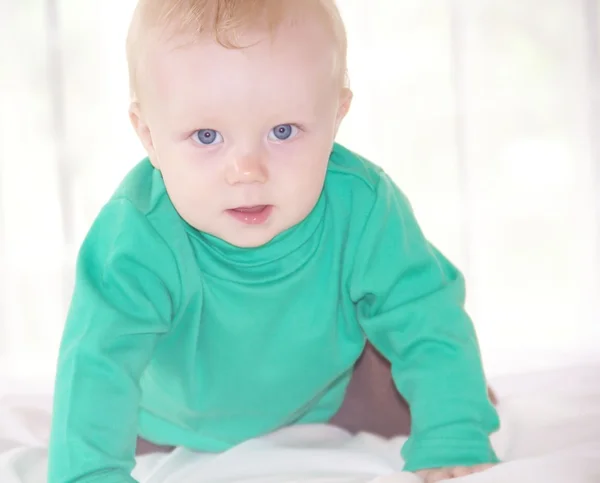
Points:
(469, 448)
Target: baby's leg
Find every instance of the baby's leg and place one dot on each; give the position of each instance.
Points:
(146, 447)
(372, 403)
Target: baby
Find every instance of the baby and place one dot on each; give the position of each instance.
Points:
(231, 283)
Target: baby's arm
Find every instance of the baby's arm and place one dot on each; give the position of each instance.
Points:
(410, 304)
(121, 304)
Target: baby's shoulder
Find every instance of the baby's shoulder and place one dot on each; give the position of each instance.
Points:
(137, 213)
(351, 176)
(132, 224)
(142, 187)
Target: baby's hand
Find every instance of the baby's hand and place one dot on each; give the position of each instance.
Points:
(441, 474)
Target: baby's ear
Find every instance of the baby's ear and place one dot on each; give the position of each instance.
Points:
(343, 106)
(143, 131)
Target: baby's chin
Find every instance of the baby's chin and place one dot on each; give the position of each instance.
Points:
(246, 238)
(249, 244)
(247, 235)
(251, 237)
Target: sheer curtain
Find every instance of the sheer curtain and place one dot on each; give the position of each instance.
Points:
(484, 111)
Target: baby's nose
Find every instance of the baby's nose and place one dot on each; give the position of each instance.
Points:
(247, 169)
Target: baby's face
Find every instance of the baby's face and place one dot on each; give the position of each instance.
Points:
(243, 137)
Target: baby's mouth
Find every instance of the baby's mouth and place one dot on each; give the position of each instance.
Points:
(250, 209)
(252, 215)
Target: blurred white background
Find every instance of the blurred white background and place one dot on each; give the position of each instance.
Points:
(484, 111)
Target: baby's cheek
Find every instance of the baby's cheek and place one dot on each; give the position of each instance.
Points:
(301, 188)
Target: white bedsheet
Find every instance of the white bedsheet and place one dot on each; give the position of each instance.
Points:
(551, 434)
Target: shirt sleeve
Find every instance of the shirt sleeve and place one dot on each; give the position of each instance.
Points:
(124, 298)
(410, 303)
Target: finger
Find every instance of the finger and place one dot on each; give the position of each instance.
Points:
(469, 470)
(462, 471)
(426, 475)
(423, 474)
(438, 475)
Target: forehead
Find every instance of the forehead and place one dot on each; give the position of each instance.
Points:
(297, 58)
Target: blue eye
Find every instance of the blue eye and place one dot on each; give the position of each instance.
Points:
(283, 132)
(208, 137)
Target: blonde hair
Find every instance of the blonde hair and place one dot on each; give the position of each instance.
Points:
(225, 21)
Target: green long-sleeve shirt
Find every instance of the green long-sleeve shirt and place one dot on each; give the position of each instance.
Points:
(183, 339)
